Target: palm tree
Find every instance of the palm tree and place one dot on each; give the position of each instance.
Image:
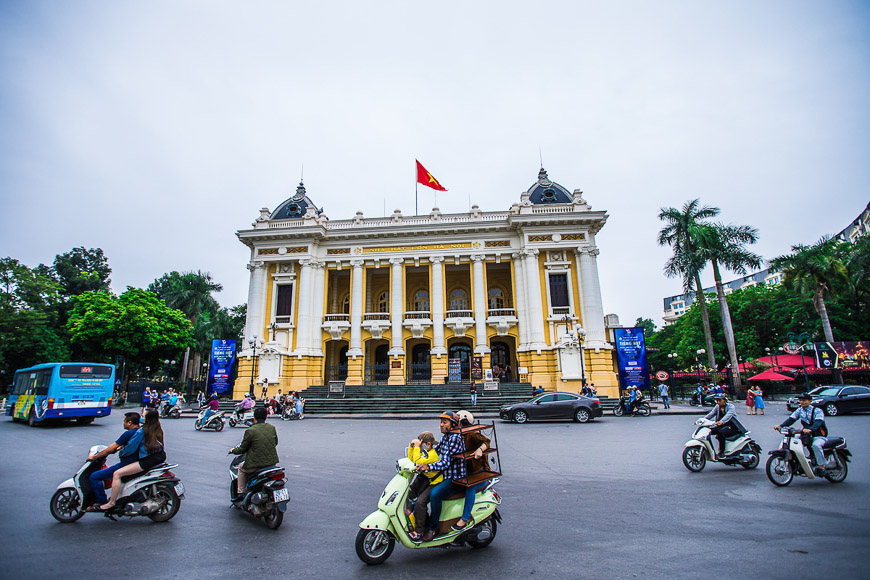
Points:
(724, 247)
(679, 233)
(814, 270)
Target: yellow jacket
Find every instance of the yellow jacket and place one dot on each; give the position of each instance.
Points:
(415, 454)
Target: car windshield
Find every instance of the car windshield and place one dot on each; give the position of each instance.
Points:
(827, 392)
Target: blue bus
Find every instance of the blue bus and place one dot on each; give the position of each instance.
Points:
(80, 391)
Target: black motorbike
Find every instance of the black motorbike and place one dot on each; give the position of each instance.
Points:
(641, 408)
(266, 496)
(709, 401)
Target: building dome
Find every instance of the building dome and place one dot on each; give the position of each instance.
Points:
(295, 207)
(545, 191)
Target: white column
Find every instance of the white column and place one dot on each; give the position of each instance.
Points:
(356, 309)
(318, 273)
(535, 304)
(397, 312)
(479, 304)
(437, 305)
(254, 321)
(303, 318)
(520, 301)
(590, 288)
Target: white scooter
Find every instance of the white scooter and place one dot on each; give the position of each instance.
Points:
(215, 421)
(793, 457)
(238, 417)
(380, 530)
(156, 493)
(740, 449)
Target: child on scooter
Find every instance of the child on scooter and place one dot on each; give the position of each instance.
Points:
(421, 452)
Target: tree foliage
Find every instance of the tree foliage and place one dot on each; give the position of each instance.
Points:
(135, 324)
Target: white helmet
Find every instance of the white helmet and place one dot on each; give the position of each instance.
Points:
(465, 417)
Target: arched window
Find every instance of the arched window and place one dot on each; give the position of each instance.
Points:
(345, 304)
(384, 302)
(496, 298)
(458, 300)
(421, 301)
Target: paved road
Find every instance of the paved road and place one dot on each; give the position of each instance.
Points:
(610, 498)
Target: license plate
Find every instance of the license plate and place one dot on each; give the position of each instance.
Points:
(81, 403)
(281, 495)
(179, 489)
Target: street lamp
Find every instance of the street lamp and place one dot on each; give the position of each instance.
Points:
(672, 357)
(581, 336)
(169, 363)
(203, 376)
(253, 344)
(700, 353)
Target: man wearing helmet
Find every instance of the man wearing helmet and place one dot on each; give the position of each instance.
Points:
(726, 423)
(450, 466)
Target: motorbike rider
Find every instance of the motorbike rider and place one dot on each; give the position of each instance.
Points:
(171, 401)
(450, 466)
(480, 443)
(261, 445)
(814, 429)
(244, 405)
(212, 407)
(128, 447)
(723, 414)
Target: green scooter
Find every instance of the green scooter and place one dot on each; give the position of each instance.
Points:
(380, 530)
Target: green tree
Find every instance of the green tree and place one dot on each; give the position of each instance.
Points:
(680, 234)
(647, 324)
(136, 324)
(724, 246)
(81, 270)
(28, 319)
(814, 270)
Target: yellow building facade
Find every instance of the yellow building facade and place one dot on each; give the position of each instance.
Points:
(414, 299)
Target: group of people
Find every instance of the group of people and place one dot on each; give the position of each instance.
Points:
(589, 390)
(441, 469)
(502, 374)
(162, 402)
(754, 400)
(140, 448)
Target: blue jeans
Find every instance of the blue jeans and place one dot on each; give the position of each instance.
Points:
(208, 414)
(98, 477)
(444, 489)
(469, 499)
(473, 399)
(667, 401)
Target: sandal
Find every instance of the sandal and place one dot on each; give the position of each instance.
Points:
(96, 508)
(415, 537)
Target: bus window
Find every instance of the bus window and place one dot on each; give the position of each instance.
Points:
(43, 379)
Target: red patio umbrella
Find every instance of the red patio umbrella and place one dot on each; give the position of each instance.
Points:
(770, 375)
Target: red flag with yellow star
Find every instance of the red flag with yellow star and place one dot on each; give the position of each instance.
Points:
(425, 178)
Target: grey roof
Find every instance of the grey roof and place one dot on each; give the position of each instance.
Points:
(545, 191)
(295, 207)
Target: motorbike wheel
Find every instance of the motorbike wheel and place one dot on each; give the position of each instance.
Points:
(521, 417)
(779, 471)
(249, 423)
(219, 426)
(197, 424)
(374, 546)
(175, 414)
(274, 518)
(644, 410)
(232, 422)
(582, 415)
(170, 501)
(694, 459)
(838, 475)
(694, 402)
(753, 461)
(619, 411)
(65, 505)
(493, 527)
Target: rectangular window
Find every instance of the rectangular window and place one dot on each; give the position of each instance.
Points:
(558, 290)
(285, 300)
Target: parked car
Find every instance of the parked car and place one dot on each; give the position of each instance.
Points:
(553, 406)
(836, 399)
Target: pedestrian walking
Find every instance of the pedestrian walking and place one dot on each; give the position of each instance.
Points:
(473, 392)
(664, 393)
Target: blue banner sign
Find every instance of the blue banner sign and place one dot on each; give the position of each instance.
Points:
(454, 370)
(631, 357)
(220, 369)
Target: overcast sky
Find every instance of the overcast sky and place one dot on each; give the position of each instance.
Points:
(156, 130)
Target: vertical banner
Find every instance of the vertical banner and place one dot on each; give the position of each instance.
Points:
(220, 369)
(631, 357)
(476, 368)
(454, 370)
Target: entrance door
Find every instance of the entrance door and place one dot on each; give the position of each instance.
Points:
(461, 351)
(382, 363)
(420, 371)
(501, 355)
